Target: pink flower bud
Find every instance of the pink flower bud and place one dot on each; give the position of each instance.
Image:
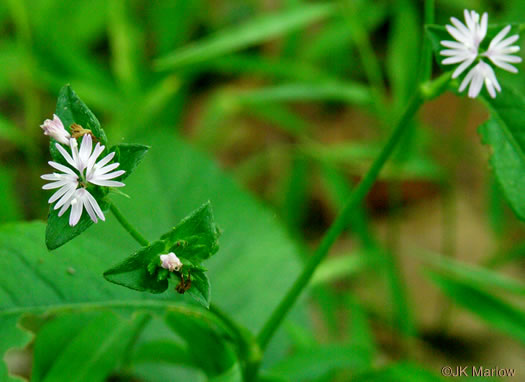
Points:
(170, 262)
(55, 129)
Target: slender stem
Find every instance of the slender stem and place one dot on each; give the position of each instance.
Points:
(127, 226)
(339, 225)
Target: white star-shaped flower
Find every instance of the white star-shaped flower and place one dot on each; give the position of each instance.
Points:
(55, 129)
(72, 183)
(480, 74)
(465, 50)
(501, 50)
(468, 37)
(170, 262)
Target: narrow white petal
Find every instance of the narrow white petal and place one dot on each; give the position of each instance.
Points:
(460, 27)
(66, 155)
(503, 65)
(66, 197)
(508, 41)
(50, 176)
(456, 34)
(89, 210)
(85, 149)
(467, 79)
(64, 208)
(108, 183)
(108, 168)
(61, 167)
(58, 194)
(475, 85)
(483, 26)
(57, 184)
(461, 68)
(111, 175)
(453, 44)
(105, 160)
(96, 153)
(495, 41)
(76, 212)
(92, 201)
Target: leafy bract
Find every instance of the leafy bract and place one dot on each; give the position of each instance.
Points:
(193, 240)
(70, 109)
(133, 272)
(504, 133)
(129, 155)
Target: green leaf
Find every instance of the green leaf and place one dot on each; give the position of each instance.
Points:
(475, 276)
(82, 347)
(129, 155)
(503, 132)
(195, 238)
(252, 32)
(133, 272)
(493, 310)
(70, 109)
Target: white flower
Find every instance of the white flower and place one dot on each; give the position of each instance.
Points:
(468, 37)
(465, 50)
(170, 262)
(479, 74)
(55, 129)
(84, 170)
(500, 51)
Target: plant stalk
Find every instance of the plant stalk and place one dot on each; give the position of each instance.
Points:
(339, 225)
(128, 226)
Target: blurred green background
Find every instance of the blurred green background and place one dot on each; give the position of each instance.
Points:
(292, 99)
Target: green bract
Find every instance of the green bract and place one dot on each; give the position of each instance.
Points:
(70, 109)
(193, 240)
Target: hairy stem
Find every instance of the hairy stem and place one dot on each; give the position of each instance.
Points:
(128, 226)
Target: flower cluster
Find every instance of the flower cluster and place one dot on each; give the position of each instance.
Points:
(466, 51)
(72, 182)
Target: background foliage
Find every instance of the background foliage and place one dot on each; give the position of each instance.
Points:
(272, 110)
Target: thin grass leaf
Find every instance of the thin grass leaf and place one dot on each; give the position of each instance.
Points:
(250, 33)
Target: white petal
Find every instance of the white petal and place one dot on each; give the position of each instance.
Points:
(108, 183)
(76, 212)
(108, 168)
(66, 155)
(461, 68)
(85, 149)
(66, 197)
(453, 44)
(467, 79)
(495, 41)
(105, 160)
(61, 167)
(92, 201)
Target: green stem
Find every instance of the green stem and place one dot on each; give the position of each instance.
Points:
(339, 225)
(127, 226)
